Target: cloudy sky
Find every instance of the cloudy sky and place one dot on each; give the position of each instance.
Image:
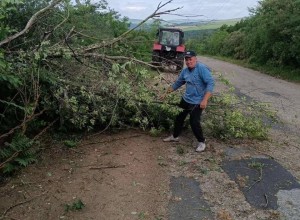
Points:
(208, 9)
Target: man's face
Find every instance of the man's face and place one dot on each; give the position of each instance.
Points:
(190, 62)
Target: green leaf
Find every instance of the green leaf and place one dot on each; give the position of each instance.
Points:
(70, 143)
(22, 161)
(11, 80)
(8, 168)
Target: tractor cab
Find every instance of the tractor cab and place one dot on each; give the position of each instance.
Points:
(169, 48)
(170, 37)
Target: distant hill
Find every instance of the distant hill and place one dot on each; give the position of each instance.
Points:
(190, 24)
(207, 25)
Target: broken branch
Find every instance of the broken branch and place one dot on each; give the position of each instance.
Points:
(156, 13)
(107, 167)
(29, 23)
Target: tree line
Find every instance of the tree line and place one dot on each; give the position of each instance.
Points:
(269, 37)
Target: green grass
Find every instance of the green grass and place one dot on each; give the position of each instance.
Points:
(285, 73)
(77, 205)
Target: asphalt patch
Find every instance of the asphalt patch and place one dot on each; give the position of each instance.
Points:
(275, 124)
(260, 179)
(187, 200)
(274, 94)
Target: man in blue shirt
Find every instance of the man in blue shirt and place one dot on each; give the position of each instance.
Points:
(199, 87)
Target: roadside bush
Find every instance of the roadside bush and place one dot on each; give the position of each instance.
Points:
(233, 45)
(269, 37)
(233, 117)
(214, 44)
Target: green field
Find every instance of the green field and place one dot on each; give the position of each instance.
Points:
(209, 25)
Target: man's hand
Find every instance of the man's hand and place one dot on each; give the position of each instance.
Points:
(203, 103)
(169, 90)
(162, 97)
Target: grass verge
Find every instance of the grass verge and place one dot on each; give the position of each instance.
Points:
(285, 73)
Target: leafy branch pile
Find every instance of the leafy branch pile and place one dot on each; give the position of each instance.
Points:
(230, 116)
(70, 67)
(234, 117)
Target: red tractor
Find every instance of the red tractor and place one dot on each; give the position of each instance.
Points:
(169, 48)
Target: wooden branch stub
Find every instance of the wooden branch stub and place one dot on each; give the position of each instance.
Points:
(107, 167)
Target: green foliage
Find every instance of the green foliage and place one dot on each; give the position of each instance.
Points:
(204, 171)
(120, 98)
(180, 150)
(232, 45)
(231, 122)
(75, 206)
(270, 37)
(70, 143)
(38, 76)
(94, 20)
(18, 91)
(141, 215)
(6, 7)
(234, 117)
(276, 29)
(10, 80)
(215, 43)
(256, 165)
(141, 42)
(17, 14)
(155, 132)
(48, 75)
(229, 116)
(80, 96)
(18, 153)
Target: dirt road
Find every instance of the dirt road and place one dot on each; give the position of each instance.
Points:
(133, 176)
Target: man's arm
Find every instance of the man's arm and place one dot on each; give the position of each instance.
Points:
(169, 90)
(203, 103)
(210, 84)
(178, 83)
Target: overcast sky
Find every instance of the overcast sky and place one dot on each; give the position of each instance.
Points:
(208, 9)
